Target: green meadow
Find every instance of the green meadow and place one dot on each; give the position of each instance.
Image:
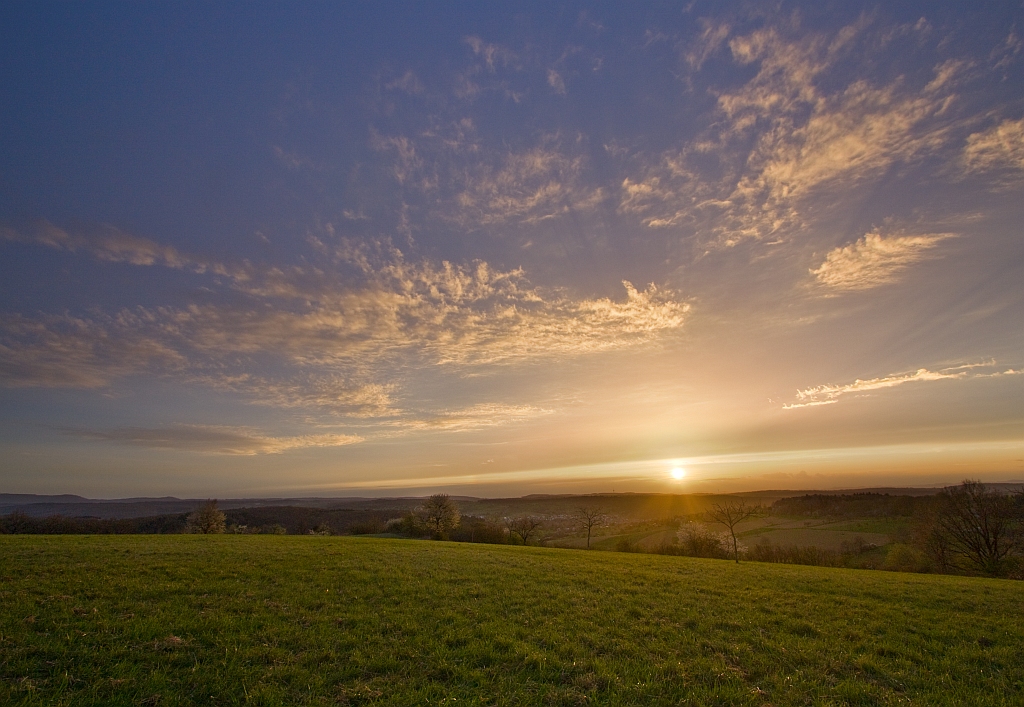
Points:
(267, 620)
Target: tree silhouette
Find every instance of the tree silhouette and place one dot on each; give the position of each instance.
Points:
(981, 526)
(523, 526)
(731, 514)
(589, 517)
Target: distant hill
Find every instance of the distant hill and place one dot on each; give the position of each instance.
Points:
(17, 499)
(627, 505)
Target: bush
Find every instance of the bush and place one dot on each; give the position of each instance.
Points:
(697, 540)
(627, 545)
(903, 558)
(409, 525)
(370, 527)
(243, 530)
(478, 530)
(764, 551)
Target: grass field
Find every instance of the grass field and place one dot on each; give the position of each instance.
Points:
(176, 620)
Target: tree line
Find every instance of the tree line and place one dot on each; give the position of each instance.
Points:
(965, 529)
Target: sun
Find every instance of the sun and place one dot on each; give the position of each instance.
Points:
(677, 472)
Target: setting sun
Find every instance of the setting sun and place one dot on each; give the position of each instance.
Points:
(678, 472)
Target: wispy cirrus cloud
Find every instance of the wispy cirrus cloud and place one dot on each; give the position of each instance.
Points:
(64, 351)
(526, 187)
(475, 186)
(830, 394)
(213, 439)
(493, 55)
(311, 390)
(431, 312)
(110, 244)
(874, 260)
(998, 149)
(335, 344)
(795, 133)
(474, 417)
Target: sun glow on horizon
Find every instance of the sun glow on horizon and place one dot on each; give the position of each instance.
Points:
(678, 473)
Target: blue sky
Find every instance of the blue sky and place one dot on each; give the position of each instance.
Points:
(265, 249)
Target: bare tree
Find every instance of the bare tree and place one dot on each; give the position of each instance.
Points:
(587, 518)
(731, 514)
(523, 526)
(441, 514)
(206, 519)
(981, 526)
(928, 536)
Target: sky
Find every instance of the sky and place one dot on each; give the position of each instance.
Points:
(269, 249)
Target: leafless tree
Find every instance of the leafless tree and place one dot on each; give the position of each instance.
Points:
(206, 519)
(441, 514)
(731, 514)
(928, 536)
(981, 526)
(523, 527)
(589, 517)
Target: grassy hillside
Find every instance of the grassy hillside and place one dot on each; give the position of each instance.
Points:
(174, 620)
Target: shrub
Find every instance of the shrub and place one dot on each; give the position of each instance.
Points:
(627, 545)
(764, 551)
(206, 519)
(409, 525)
(697, 540)
(243, 529)
(478, 530)
(370, 527)
(903, 558)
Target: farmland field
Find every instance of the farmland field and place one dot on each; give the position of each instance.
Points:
(263, 620)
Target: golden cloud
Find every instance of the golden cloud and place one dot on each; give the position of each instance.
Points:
(874, 260)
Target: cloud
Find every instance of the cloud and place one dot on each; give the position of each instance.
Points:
(524, 187)
(528, 186)
(336, 343)
(452, 173)
(1004, 55)
(710, 40)
(327, 392)
(473, 418)
(555, 81)
(488, 70)
(494, 56)
(797, 132)
(429, 314)
(1000, 148)
(830, 394)
(213, 439)
(407, 82)
(112, 245)
(407, 162)
(293, 160)
(807, 138)
(874, 260)
(62, 351)
(466, 184)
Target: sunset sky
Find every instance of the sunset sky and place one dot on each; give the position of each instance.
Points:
(507, 248)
